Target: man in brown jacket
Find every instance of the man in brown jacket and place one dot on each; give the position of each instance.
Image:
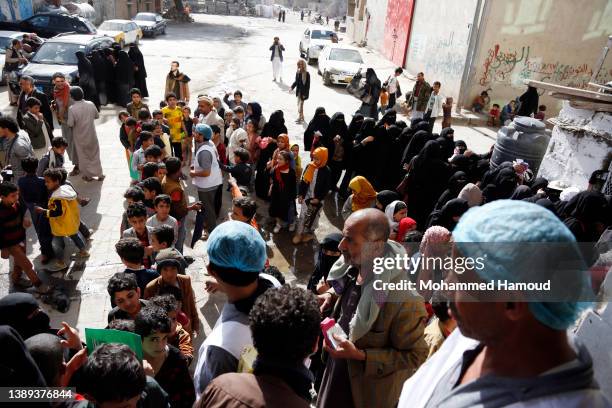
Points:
(385, 343)
(285, 327)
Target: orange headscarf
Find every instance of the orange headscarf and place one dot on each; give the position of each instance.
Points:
(318, 153)
(363, 193)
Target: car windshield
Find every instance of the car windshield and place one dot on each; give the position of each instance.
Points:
(58, 53)
(145, 17)
(321, 34)
(339, 54)
(5, 42)
(111, 26)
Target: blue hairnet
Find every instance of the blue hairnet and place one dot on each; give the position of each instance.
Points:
(508, 222)
(204, 130)
(237, 245)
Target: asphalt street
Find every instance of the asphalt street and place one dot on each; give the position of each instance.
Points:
(219, 54)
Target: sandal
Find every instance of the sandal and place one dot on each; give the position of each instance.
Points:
(87, 178)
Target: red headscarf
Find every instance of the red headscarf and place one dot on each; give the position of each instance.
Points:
(405, 225)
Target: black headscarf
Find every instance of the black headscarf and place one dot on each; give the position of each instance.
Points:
(124, 69)
(355, 125)
(372, 85)
(324, 262)
(455, 183)
(140, 76)
(416, 144)
(528, 102)
(389, 118)
(364, 155)
(521, 192)
(444, 217)
(255, 117)
(17, 367)
(275, 125)
(447, 141)
(87, 79)
(539, 183)
(549, 205)
(21, 312)
(386, 197)
(337, 125)
(320, 123)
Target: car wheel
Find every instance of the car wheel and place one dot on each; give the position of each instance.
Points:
(327, 79)
(164, 31)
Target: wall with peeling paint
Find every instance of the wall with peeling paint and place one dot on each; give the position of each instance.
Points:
(557, 41)
(439, 41)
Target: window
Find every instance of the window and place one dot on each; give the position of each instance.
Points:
(58, 53)
(62, 24)
(321, 34)
(339, 54)
(306, 33)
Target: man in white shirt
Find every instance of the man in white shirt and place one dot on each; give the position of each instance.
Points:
(209, 115)
(393, 86)
(434, 105)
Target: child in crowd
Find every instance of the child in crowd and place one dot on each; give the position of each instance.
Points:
(152, 188)
(13, 224)
(295, 151)
(541, 112)
(159, 116)
(54, 159)
(162, 237)
(137, 217)
(63, 212)
(133, 194)
(171, 185)
(126, 295)
(480, 102)
(384, 100)
(138, 158)
(158, 133)
(179, 337)
(34, 193)
(244, 209)
(395, 212)
(173, 117)
(151, 169)
(131, 253)
(494, 115)
(169, 268)
(154, 154)
(162, 215)
(282, 190)
(314, 186)
(149, 126)
(169, 367)
(227, 120)
(137, 104)
(188, 136)
(36, 126)
(216, 139)
(447, 107)
(239, 113)
(241, 170)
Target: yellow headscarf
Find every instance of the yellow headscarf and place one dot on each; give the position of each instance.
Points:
(318, 153)
(363, 193)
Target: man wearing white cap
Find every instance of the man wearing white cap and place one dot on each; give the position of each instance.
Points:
(209, 115)
(206, 173)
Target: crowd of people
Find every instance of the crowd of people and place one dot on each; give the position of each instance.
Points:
(401, 184)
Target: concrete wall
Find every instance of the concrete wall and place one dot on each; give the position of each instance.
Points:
(556, 41)
(439, 41)
(375, 36)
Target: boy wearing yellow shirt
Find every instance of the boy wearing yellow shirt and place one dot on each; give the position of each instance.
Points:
(173, 117)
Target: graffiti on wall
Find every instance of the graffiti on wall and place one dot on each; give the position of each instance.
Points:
(397, 26)
(513, 66)
(449, 60)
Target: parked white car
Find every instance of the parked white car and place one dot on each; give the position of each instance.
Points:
(312, 42)
(339, 63)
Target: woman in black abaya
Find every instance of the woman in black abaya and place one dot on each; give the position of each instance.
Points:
(87, 79)
(98, 62)
(124, 75)
(140, 71)
(319, 122)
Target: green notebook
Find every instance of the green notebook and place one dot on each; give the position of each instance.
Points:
(97, 337)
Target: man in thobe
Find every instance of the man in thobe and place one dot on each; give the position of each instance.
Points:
(277, 59)
(81, 117)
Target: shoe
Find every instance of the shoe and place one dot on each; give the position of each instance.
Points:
(297, 238)
(43, 288)
(87, 178)
(307, 237)
(292, 227)
(101, 177)
(189, 259)
(84, 201)
(58, 265)
(75, 172)
(277, 228)
(22, 283)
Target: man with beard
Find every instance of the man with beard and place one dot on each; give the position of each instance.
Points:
(28, 90)
(521, 354)
(177, 83)
(385, 343)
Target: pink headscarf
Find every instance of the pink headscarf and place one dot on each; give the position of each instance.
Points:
(433, 237)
